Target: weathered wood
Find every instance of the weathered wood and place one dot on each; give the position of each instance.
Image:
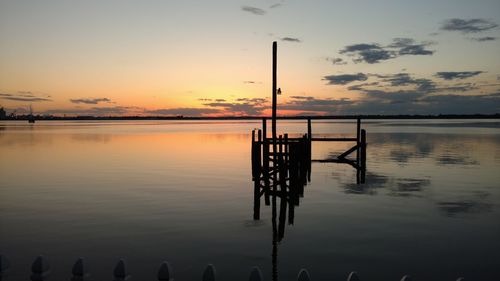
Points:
(349, 151)
(363, 150)
(334, 139)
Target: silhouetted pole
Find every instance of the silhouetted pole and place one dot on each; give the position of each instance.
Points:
(273, 124)
(358, 132)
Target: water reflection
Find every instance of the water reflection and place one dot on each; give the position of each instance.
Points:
(417, 165)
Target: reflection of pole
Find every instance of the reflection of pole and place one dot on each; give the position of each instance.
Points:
(275, 241)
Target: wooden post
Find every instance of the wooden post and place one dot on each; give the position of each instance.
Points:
(275, 51)
(309, 128)
(363, 149)
(264, 127)
(358, 128)
(309, 148)
(274, 97)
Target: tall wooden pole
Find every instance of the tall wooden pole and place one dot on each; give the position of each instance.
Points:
(275, 51)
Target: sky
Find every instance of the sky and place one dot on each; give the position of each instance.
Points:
(214, 58)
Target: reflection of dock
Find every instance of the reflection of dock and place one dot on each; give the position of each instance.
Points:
(281, 167)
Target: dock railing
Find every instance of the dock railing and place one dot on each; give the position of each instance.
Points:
(40, 271)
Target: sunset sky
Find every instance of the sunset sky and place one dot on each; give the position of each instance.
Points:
(209, 58)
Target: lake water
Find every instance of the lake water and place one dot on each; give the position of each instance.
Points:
(182, 191)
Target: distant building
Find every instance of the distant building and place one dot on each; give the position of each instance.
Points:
(3, 114)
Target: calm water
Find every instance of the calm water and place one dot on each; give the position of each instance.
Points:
(182, 191)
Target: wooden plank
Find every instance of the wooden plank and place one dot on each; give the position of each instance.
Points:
(334, 139)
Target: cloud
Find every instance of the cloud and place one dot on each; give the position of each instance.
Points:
(375, 53)
(275, 6)
(343, 79)
(407, 46)
(336, 61)
(314, 105)
(90, 101)
(184, 111)
(291, 39)
(242, 106)
(468, 26)
(369, 53)
(484, 39)
(23, 96)
(450, 75)
(404, 79)
(94, 111)
(220, 100)
(253, 10)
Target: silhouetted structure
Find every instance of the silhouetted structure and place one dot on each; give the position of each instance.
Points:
(3, 114)
(281, 167)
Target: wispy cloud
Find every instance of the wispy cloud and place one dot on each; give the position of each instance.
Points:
(253, 10)
(408, 46)
(336, 61)
(343, 79)
(484, 39)
(184, 111)
(23, 96)
(242, 106)
(93, 111)
(468, 25)
(90, 101)
(450, 75)
(291, 39)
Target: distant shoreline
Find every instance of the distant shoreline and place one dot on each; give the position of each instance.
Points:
(343, 117)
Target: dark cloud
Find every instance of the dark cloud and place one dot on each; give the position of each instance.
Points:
(23, 96)
(90, 101)
(94, 111)
(203, 99)
(252, 100)
(220, 100)
(291, 39)
(249, 82)
(253, 10)
(242, 106)
(375, 53)
(484, 39)
(343, 79)
(369, 53)
(184, 111)
(336, 61)
(314, 105)
(408, 46)
(404, 79)
(275, 6)
(468, 26)
(450, 75)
